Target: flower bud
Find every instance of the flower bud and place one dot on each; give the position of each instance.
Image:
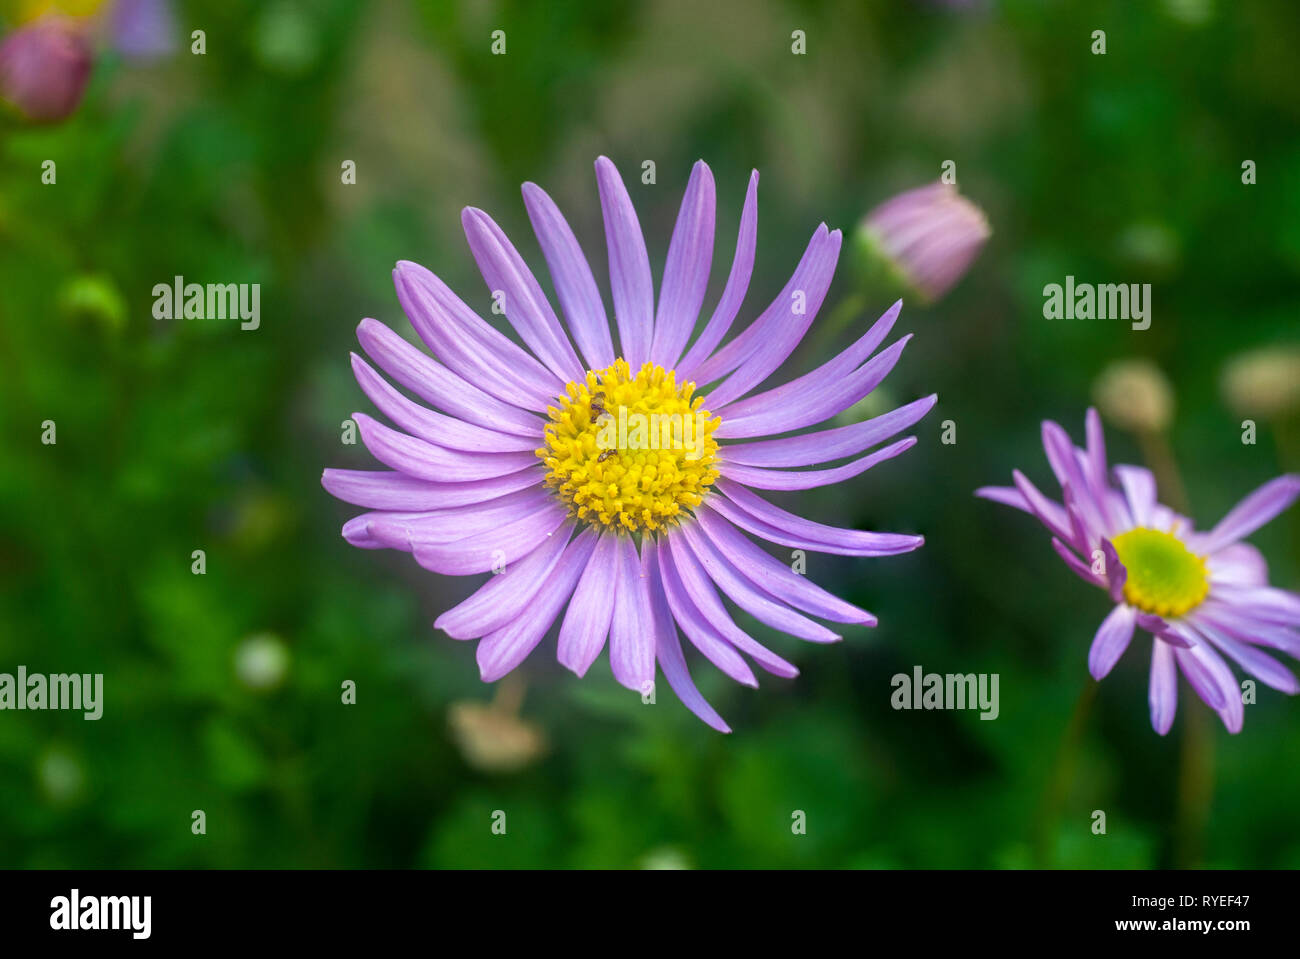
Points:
(44, 67)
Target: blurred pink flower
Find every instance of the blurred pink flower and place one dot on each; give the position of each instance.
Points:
(44, 67)
(930, 235)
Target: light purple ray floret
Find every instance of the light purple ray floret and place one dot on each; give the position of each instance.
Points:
(463, 489)
(1240, 616)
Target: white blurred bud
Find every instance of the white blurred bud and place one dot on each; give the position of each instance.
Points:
(1135, 395)
(261, 661)
(1263, 382)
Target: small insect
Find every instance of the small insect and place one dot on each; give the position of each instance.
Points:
(604, 456)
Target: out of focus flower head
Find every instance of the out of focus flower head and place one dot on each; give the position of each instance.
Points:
(493, 737)
(44, 66)
(1264, 382)
(46, 60)
(1135, 395)
(142, 29)
(929, 236)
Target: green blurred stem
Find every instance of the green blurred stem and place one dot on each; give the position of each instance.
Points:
(1160, 460)
(1058, 786)
(509, 695)
(1195, 787)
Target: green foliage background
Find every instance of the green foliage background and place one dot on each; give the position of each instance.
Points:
(179, 436)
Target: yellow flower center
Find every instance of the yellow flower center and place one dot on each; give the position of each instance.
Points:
(630, 452)
(1164, 576)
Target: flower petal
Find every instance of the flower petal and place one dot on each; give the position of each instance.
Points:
(773, 576)
(1078, 566)
(1113, 637)
(1259, 664)
(1239, 624)
(1252, 512)
(477, 554)
(574, 283)
(629, 266)
(805, 401)
(468, 344)
(778, 320)
(502, 650)
(1240, 564)
(1050, 514)
(1262, 602)
(1140, 490)
(782, 326)
(393, 490)
(702, 634)
(1061, 456)
(676, 560)
(832, 444)
(1116, 571)
(437, 385)
(1007, 496)
(631, 630)
(749, 511)
(505, 596)
(1201, 673)
(1163, 694)
(425, 461)
(434, 427)
(1214, 682)
(526, 306)
(407, 530)
(742, 268)
(808, 479)
(746, 594)
(686, 271)
(586, 624)
(668, 653)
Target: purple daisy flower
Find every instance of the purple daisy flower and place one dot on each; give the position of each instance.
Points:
(538, 465)
(1200, 594)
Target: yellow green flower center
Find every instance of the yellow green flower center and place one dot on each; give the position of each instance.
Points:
(1164, 576)
(630, 452)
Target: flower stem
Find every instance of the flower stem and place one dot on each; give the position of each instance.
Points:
(1058, 785)
(1195, 789)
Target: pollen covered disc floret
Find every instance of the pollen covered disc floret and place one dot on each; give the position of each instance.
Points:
(1164, 576)
(630, 452)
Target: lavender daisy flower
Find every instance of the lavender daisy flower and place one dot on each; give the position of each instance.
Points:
(44, 67)
(1200, 594)
(538, 463)
(142, 29)
(929, 235)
